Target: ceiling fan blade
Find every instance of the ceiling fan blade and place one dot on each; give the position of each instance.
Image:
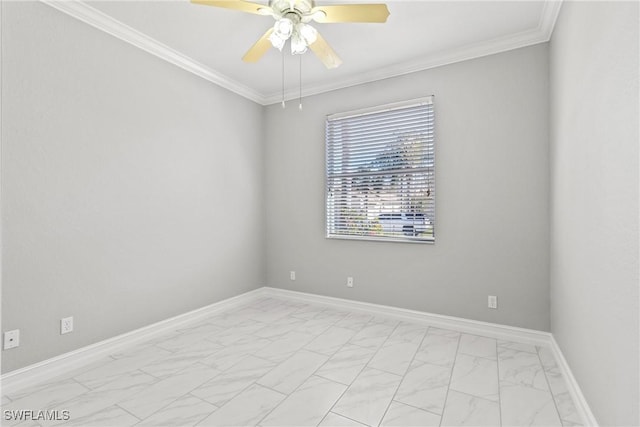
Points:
(351, 13)
(324, 52)
(243, 6)
(259, 48)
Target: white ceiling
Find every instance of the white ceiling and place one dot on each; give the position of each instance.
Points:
(418, 35)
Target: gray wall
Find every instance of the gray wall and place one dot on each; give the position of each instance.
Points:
(594, 202)
(492, 179)
(130, 191)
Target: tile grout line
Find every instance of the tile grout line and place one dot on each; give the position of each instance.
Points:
(482, 357)
(341, 348)
(372, 323)
(220, 372)
(366, 365)
(553, 396)
(176, 399)
(312, 374)
(118, 405)
(453, 366)
(138, 369)
(405, 372)
(60, 404)
(340, 397)
(225, 403)
(89, 389)
(241, 391)
(368, 348)
(323, 354)
(506, 347)
(315, 373)
(190, 396)
(343, 416)
(39, 387)
(474, 396)
(329, 379)
(527, 386)
(417, 407)
(286, 396)
(385, 371)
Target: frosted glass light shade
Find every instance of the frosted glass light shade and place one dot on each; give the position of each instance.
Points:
(277, 41)
(283, 28)
(307, 32)
(298, 45)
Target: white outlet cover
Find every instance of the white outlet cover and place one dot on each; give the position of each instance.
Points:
(292, 275)
(11, 339)
(350, 282)
(492, 301)
(66, 325)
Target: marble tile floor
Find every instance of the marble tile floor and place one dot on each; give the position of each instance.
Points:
(276, 362)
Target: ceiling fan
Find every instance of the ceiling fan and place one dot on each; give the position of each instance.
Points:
(292, 23)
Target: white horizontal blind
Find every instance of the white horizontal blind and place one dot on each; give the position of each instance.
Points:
(381, 173)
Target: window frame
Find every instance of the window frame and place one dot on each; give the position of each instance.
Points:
(373, 110)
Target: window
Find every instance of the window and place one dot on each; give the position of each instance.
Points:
(381, 173)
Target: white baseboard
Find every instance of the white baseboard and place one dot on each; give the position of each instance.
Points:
(587, 417)
(50, 368)
(58, 365)
(493, 330)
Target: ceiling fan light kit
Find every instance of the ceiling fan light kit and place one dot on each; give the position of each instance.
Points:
(292, 23)
(302, 35)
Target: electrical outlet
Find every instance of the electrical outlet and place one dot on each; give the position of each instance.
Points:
(493, 301)
(350, 282)
(66, 325)
(292, 275)
(11, 339)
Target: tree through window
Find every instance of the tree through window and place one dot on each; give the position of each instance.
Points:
(381, 173)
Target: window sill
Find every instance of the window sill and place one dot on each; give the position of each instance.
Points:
(429, 241)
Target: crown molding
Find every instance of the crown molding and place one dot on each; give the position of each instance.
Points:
(549, 17)
(541, 34)
(89, 15)
(477, 50)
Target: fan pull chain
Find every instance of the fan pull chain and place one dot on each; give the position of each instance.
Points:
(282, 78)
(300, 94)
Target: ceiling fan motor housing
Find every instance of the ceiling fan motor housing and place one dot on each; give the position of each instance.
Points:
(286, 7)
